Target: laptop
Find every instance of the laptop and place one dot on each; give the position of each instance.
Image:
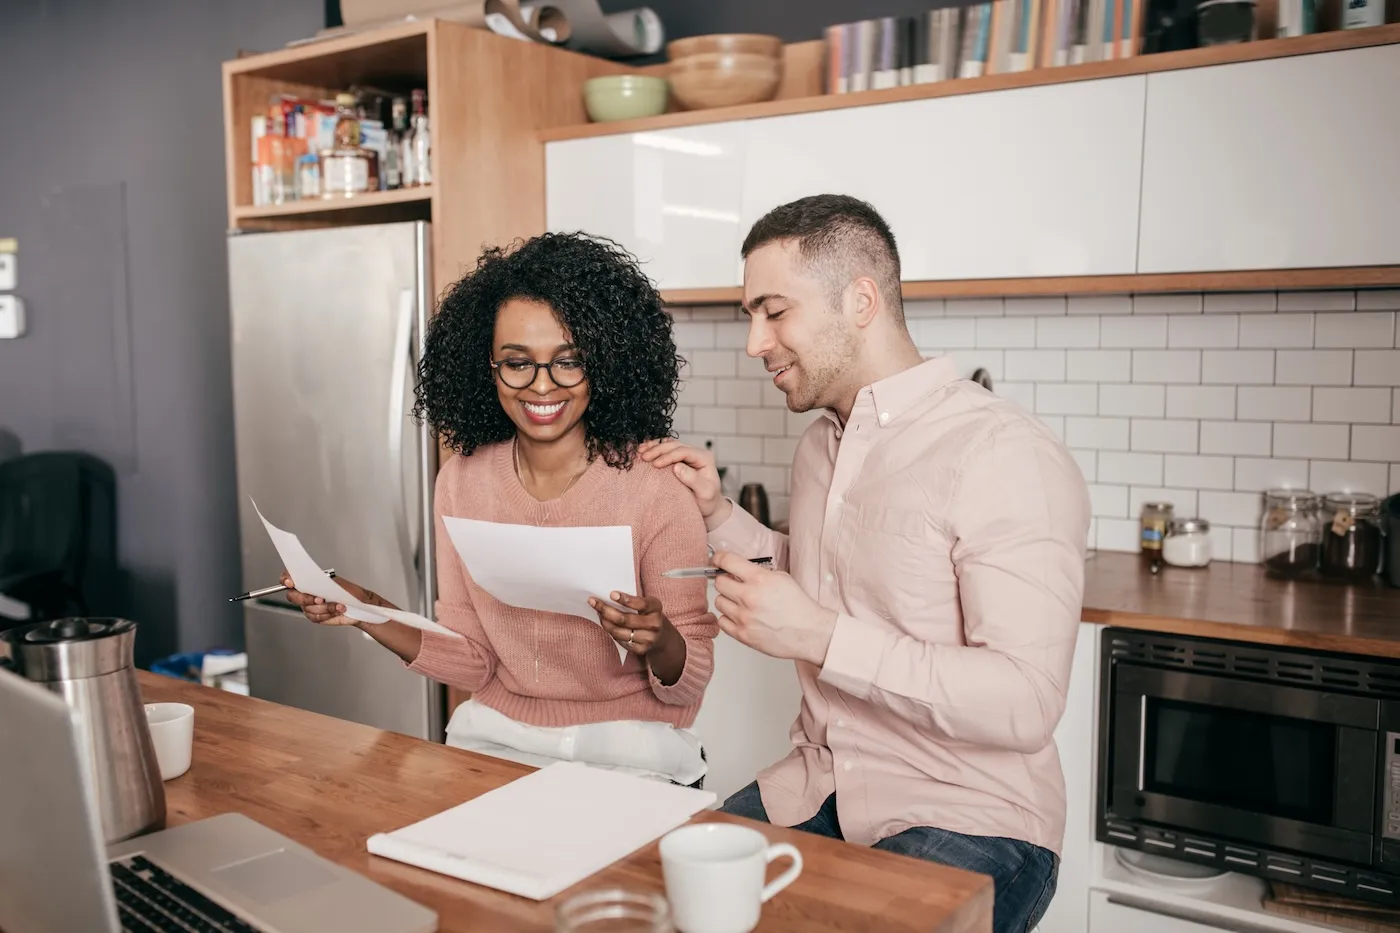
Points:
(225, 874)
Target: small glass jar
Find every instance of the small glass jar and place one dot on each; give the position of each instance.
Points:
(614, 910)
(1156, 519)
(1187, 543)
(1291, 533)
(1351, 536)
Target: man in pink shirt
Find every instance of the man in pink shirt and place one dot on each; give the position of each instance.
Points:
(929, 589)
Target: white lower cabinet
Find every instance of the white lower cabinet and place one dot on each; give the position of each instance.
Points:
(1107, 914)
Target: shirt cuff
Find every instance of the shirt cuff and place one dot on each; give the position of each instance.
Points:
(853, 656)
(740, 533)
(441, 657)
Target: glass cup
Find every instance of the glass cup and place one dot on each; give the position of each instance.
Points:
(614, 910)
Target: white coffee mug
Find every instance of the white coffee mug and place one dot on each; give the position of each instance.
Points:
(714, 876)
(172, 731)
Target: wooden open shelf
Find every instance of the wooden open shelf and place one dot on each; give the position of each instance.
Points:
(1265, 280)
(1142, 64)
(363, 202)
(394, 51)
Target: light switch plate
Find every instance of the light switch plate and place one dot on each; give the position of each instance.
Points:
(11, 317)
(8, 264)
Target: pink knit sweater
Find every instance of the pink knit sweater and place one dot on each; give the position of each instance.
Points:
(548, 669)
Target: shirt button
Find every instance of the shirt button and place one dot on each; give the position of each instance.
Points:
(829, 578)
(840, 723)
(848, 766)
(884, 416)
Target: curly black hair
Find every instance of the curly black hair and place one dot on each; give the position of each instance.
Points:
(611, 311)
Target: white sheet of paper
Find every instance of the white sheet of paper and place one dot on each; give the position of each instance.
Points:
(548, 569)
(308, 577)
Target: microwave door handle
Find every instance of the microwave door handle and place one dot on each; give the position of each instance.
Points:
(398, 414)
(1212, 923)
(1142, 743)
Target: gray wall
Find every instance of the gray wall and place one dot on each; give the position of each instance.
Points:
(112, 178)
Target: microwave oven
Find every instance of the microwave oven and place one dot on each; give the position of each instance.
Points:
(1273, 762)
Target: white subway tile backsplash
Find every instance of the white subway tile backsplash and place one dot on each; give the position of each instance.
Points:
(993, 361)
(1022, 393)
(1036, 307)
(1257, 474)
(1362, 330)
(1077, 332)
(761, 422)
(1130, 469)
(1100, 304)
(739, 392)
(1277, 331)
(1246, 546)
(731, 335)
(1377, 368)
(1200, 472)
(1311, 441)
(1327, 476)
(1175, 366)
(774, 479)
(1099, 365)
(1216, 332)
(1133, 400)
(680, 420)
(974, 307)
(1088, 461)
(1242, 303)
(779, 451)
(778, 507)
(1108, 501)
(1375, 442)
(715, 313)
(1183, 500)
(1316, 301)
(1351, 406)
(697, 392)
(1133, 333)
(1274, 403)
(1378, 299)
(1057, 398)
(1237, 367)
(731, 449)
(1394, 479)
(693, 335)
(1221, 541)
(678, 313)
(1165, 437)
(719, 364)
(1313, 368)
(1118, 534)
(1004, 332)
(750, 367)
(1097, 433)
(715, 420)
(947, 333)
(1167, 304)
(1238, 509)
(1237, 438)
(924, 307)
(771, 395)
(1035, 365)
(1395, 407)
(1201, 402)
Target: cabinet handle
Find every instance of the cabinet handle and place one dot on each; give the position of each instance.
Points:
(1230, 926)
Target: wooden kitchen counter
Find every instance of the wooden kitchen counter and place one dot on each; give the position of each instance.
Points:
(1239, 602)
(330, 784)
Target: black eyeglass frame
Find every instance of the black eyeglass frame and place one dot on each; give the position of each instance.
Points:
(497, 365)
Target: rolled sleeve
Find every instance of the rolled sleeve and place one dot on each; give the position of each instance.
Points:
(853, 657)
(746, 536)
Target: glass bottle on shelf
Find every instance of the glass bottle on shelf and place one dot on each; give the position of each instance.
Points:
(277, 160)
(345, 167)
(1291, 533)
(1351, 536)
(422, 140)
(394, 151)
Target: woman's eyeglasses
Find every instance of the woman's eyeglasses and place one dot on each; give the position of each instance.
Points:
(521, 373)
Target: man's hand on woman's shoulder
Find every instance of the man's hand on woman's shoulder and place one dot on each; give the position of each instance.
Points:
(697, 470)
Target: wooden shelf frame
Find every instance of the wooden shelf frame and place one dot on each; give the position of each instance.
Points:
(1142, 64)
(1262, 280)
(363, 202)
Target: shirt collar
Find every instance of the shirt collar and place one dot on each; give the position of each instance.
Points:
(894, 395)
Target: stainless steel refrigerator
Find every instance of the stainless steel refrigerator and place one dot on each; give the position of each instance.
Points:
(327, 327)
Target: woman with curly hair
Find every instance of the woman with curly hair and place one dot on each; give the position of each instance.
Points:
(544, 369)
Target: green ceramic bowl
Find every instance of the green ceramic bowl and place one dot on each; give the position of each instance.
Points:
(624, 97)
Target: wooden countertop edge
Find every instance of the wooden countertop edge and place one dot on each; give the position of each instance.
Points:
(1243, 632)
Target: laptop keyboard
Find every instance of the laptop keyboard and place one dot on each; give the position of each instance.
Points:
(151, 900)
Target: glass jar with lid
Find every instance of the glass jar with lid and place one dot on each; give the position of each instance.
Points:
(1351, 536)
(1154, 521)
(1291, 533)
(1187, 543)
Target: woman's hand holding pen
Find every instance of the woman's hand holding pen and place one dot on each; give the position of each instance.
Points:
(323, 613)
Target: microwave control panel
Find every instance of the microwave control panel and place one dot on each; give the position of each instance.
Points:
(1390, 828)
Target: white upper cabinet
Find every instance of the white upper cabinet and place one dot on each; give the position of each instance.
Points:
(1280, 164)
(671, 197)
(1039, 181)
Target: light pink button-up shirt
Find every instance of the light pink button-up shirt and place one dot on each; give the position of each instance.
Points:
(947, 528)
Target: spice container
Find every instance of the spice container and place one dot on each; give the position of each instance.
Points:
(1156, 519)
(1351, 538)
(1187, 543)
(1291, 533)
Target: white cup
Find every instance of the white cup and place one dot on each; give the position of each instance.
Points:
(172, 731)
(714, 876)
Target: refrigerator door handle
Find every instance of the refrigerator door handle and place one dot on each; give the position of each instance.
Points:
(398, 414)
(427, 446)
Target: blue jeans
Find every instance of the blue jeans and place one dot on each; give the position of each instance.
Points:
(1024, 875)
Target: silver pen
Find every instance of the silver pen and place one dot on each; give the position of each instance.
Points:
(266, 591)
(682, 573)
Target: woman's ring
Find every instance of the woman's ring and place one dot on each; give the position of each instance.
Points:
(631, 633)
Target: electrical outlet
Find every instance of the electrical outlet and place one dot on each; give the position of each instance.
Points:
(11, 317)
